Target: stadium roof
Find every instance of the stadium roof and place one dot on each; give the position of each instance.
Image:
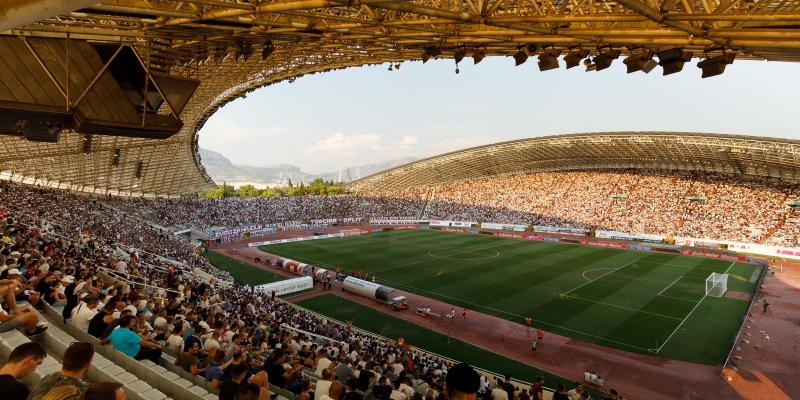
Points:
(669, 151)
(206, 40)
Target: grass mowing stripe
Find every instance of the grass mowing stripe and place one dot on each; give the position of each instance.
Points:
(430, 340)
(529, 279)
(617, 269)
(479, 306)
(626, 308)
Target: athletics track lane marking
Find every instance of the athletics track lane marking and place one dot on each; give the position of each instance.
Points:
(687, 316)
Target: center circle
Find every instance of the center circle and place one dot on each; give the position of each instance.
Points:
(460, 253)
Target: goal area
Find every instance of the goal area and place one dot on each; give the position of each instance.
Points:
(350, 232)
(716, 285)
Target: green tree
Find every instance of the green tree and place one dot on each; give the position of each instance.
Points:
(221, 191)
(248, 191)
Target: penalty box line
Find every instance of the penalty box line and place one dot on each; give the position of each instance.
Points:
(614, 270)
(687, 316)
(478, 306)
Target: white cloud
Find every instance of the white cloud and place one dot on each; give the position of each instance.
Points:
(407, 143)
(342, 143)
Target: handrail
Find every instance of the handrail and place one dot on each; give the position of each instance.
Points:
(118, 275)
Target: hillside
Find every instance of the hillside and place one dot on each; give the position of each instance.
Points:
(222, 169)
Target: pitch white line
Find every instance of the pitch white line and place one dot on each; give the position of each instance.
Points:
(678, 298)
(626, 308)
(477, 306)
(690, 313)
(436, 258)
(670, 285)
(595, 269)
(616, 269)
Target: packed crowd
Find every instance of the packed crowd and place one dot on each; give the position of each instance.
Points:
(688, 204)
(234, 212)
(100, 228)
(239, 340)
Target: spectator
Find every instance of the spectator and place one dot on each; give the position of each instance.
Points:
(537, 389)
(334, 392)
(104, 391)
(131, 344)
(22, 317)
(77, 360)
(561, 393)
(22, 361)
(213, 372)
(229, 388)
(575, 394)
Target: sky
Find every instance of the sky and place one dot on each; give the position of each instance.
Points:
(351, 117)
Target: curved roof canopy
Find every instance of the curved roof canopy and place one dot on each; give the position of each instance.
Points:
(739, 155)
(235, 46)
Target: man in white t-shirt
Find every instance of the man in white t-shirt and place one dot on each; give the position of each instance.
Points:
(498, 393)
(212, 343)
(396, 393)
(84, 312)
(161, 320)
(397, 367)
(322, 365)
(122, 267)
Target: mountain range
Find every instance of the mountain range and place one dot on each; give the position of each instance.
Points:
(222, 170)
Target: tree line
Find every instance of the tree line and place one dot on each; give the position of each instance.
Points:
(316, 187)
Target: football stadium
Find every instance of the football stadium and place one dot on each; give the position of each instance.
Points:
(617, 264)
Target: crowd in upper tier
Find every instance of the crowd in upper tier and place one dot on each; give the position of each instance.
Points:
(688, 204)
(234, 212)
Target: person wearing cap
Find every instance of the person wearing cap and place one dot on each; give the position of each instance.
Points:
(462, 382)
(23, 291)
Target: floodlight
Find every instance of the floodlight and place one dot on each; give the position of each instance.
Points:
(425, 57)
(549, 59)
(715, 65)
(530, 49)
(397, 66)
(459, 55)
(457, 71)
(390, 67)
(478, 56)
(636, 62)
(604, 59)
(53, 130)
(649, 66)
(221, 55)
(590, 66)
(268, 49)
(433, 51)
(520, 58)
(574, 57)
(672, 60)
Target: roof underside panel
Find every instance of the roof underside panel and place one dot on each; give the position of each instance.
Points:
(737, 155)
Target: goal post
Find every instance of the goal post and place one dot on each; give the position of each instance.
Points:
(716, 285)
(350, 232)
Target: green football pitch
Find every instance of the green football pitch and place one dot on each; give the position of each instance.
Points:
(649, 303)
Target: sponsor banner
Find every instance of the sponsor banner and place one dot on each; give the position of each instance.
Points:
(454, 230)
(399, 228)
(286, 286)
(551, 239)
(505, 227)
(303, 226)
(242, 229)
(334, 220)
(667, 250)
(533, 237)
(394, 222)
(507, 235)
(604, 244)
(560, 231)
(720, 256)
(393, 218)
(297, 239)
(439, 223)
(600, 234)
(757, 261)
(463, 224)
(377, 230)
(473, 231)
(639, 247)
(422, 227)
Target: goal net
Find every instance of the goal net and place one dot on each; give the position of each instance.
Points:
(350, 232)
(716, 285)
